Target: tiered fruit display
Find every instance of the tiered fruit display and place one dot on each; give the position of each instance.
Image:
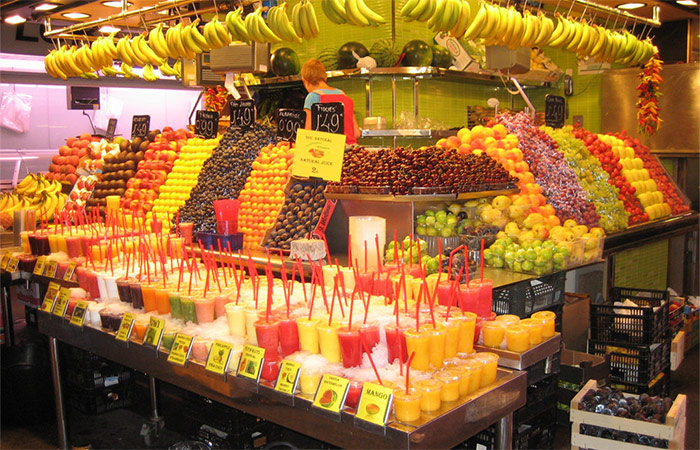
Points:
(153, 170)
(80, 194)
(224, 173)
(593, 179)
(406, 251)
(474, 218)
(534, 256)
(35, 192)
(183, 177)
(77, 153)
(263, 193)
(610, 160)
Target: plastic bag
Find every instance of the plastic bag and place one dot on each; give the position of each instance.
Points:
(15, 110)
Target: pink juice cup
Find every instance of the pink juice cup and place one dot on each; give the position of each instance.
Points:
(200, 349)
(289, 335)
(350, 347)
(93, 287)
(204, 309)
(444, 291)
(396, 343)
(220, 304)
(365, 280)
(369, 333)
(468, 297)
(268, 337)
(354, 391)
(73, 244)
(484, 304)
(186, 229)
(380, 284)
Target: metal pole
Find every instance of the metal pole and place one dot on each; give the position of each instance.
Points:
(58, 395)
(154, 398)
(504, 432)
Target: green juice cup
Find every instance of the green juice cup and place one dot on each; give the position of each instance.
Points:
(189, 313)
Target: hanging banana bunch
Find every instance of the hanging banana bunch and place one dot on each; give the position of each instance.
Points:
(279, 23)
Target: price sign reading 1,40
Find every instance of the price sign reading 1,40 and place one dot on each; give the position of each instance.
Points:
(206, 124)
(328, 117)
(554, 111)
(243, 113)
(288, 122)
(140, 126)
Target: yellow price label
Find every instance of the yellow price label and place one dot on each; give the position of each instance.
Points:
(154, 333)
(5, 260)
(180, 351)
(50, 298)
(251, 362)
(219, 356)
(61, 305)
(50, 269)
(125, 327)
(79, 313)
(331, 393)
(39, 265)
(68, 276)
(318, 154)
(12, 265)
(375, 403)
(288, 377)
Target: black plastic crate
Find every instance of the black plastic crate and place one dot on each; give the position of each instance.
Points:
(546, 367)
(532, 410)
(526, 297)
(542, 389)
(537, 432)
(82, 359)
(633, 364)
(645, 324)
(98, 401)
(106, 375)
(203, 411)
(660, 385)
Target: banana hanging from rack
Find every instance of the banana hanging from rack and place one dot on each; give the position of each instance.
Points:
(236, 26)
(156, 41)
(167, 70)
(124, 56)
(257, 29)
(334, 10)
(466, 16)
(358, 13)
(177, 67)
(478, 22)
(148, 73)
(446, 15)
(125, 70)
(216, 34)
(195, 35)
(52, 68)
(419, 10)
(279, 23)
(546, 29)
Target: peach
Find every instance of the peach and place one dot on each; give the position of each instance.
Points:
(453, 142)
(464, 149)
(464, 135)
(499, 131)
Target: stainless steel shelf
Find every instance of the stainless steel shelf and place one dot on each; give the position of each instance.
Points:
(522, 361)
(419, 198)
(434, 134)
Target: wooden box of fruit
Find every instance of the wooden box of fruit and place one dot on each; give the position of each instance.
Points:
(607, 419)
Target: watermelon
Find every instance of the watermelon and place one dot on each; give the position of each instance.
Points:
(418, 53)
(346, 60)
(441, 57)
(329, 58)
(385, 52)
(284, 61)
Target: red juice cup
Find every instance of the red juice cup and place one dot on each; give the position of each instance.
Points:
(92, 286)
(444, 292)
(270, 368)
(289, 335)
(380, 283)
(81, 273)
(484, 304)
(203, 308)
(395, 343)
(468, 297)
(268, 337)
(71, 306)
(365, 280)
(369, 333)
(73, 246)
(186, 229)
(354, 391)
(350, 347)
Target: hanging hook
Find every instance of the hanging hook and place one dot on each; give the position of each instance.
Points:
(556, 8)
(568, 14)
(607, 19)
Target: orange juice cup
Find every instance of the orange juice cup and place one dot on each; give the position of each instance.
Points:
(308, 336)
(452, 337)
(517, 338)
(547, 318)
(534, 328)
(509, 319)
(473, 368)
(162, 301)
(467, 324)
(407, 405)
(419, 342)
(235, 317)
(464, 377)
(308, 380)
(494, 332)
(489, 369)
(438, 338)
(204, 308)
(149, 298)
(450, 385)
(140, 325)
(430, 394)
(328, 342)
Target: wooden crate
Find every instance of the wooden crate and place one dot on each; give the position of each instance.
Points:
(677, 350)
(673, 430)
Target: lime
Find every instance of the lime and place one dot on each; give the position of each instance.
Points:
(420, 219)
(431, 265)
(447, 232)
(441, 216)
(421, 229)
(430, 213)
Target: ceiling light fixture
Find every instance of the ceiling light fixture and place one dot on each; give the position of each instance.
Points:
(76, 15)
(631, 5)
(109, 29)
(46, 7)
(15, 20)
(116, 4)
(687, 2)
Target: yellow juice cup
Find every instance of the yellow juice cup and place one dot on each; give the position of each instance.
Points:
(308, 380)
(61, 243)
(509, 319)
(473, 367)
(419, 342)
(464, 378)
(308, 336)
(467, 326)
(396, 283)
(53, 242)
(235, 317)
(438, 338)
(534, 328)
(251, 316)
(547, 318)
(430, 394)
(24, 236)
(328, 341)
(452, 338)
(517, 338)
(407, 405)
(494, 332)
(450, 385)
(489, 369)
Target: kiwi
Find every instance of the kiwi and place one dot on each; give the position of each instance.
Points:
(124, 145)
(129, 165)
(143, 146)
(135, 144)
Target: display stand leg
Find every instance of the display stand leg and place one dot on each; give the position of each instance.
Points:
(504, 432)
(8, 323)
(151, 430)
(58, 395)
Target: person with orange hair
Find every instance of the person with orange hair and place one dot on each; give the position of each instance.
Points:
(313, 75)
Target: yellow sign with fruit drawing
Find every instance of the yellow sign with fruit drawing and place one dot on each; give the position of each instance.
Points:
(319, 155)
(219, 356)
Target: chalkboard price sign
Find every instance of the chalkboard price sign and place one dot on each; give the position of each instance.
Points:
(243, 113)
(554, 111)
(288, 122)
(206, 124)
(140, 126)
(111, 129)
(328, 117)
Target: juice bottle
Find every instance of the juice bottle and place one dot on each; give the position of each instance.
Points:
(350, 347)
(328, 342)
(418, 341)
(407, 405)
(430, 394)
(308, 336)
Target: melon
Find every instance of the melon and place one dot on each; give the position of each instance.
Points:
(441, 57)
(418, 53)
(284, 61)
(385, 52)
(346, 60)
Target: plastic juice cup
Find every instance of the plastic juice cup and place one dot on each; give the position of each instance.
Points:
(149, 298)
(115, 320)
(61, 243)
(490, 368)
(43, 245)
(53, 242)
(308, 336)
(328, 342)
(136, 295)
(473, 367)
(348, 278)
(419, 342)
(93, 284)
(379, 287)
(407, 405)
(548, 319)
(204, 309)
(398, 288)
(369, 333)
(220, 303)
(24, 238)
(200, 348)
(309, 380)
(175, 305)
(494, 332)
(289, 335)
(485, 303)
(450, 385)
(517, 338)
(430, 394)
(235, 317)
(438, 339)
(467, 323)
(101, 286)
(415, 288)
(73, 247)
(468, 297)
(268, 336)
(464, 377)
(189, 313)
(350, 347)
(270, 369)
(395, 343)
(251, 316)
(354, 391)
(509, 319)
(452, 338)
(162, 301)
(169, 337)
(124, 291)
(534, 328)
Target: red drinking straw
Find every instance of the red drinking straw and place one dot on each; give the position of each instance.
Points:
(269, 295)
(335, 289)
(221, 261)
(379, 258)
(408, 370)
(396, 247)
(301, 276)
(453, 292)
(449, 265)
(481, 257)
(365, 256)
(349, 250)
(418, 310)
(371, 361)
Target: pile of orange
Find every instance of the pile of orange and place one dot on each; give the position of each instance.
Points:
(263, 193)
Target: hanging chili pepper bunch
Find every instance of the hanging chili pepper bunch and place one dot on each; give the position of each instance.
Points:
(215, 98)
(648, 111)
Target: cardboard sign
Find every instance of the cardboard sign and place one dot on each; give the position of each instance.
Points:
(154, 333)
(68, 276)
(318, 155)
(111, 129)
(125, 327)
(288, 122)
(61, 305)
(251, 362)
(12, 265)
(331, 393)
(288, 377)
(328, 117)
(374, 404)
(180, 351)
(554, 111)
(140, 125)
(79, 313)
(39, 265)
(50, 269)
(243, 113)
(206, 124)
(219, 357)
(50, 297)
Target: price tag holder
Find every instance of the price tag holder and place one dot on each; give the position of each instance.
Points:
(243, 113)
(111, 129)
(330, 396)
(50, 269)
(68, 276)
(206, 124)
(5, 261)
(154, 333)
(39, 265)
(250, 365)
(288, 122)
(288, 377)
(375, 404)
(79, 313)
(12, 265)
(50, 298)
(61, 305)
(318, 155)
(554, 111)
(219, 357)
(140, 125)
(125, 327)
(180, 351)
(328, 117)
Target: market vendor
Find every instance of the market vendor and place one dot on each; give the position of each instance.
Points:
(313, 75)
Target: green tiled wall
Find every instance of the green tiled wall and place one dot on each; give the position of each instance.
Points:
(643, 267)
